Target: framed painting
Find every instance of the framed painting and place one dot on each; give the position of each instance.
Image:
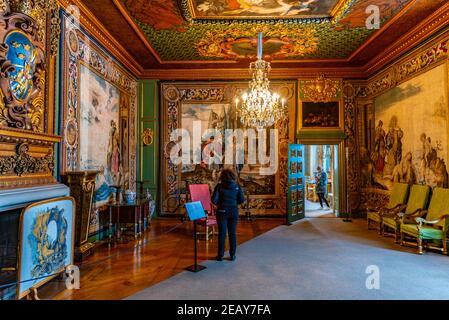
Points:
(46, 242)
(261, 9)
(321, 115)
(211, 108)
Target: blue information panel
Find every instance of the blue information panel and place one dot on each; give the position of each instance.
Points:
(195, 210)
(296, 183)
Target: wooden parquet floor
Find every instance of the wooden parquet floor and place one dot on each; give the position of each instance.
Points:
(117, 272)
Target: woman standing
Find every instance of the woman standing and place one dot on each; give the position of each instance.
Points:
(227, 196)
(321, 186)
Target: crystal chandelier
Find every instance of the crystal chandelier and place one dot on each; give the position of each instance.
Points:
(260, 107)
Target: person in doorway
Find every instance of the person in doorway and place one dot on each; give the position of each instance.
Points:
(227, 196)
(321, 186)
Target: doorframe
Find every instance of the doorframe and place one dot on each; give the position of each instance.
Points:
(342, 175)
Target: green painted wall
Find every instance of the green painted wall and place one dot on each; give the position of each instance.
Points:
(320, 135)
(148, 156)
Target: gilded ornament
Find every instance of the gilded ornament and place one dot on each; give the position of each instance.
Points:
(321, 89)
(147, 137)
(238, 43)
(23, 163)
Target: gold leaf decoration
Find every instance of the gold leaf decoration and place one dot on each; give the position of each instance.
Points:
(238, 43)
(321, 89)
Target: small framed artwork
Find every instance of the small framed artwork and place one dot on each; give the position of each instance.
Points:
(295, 210)
(46, 242)
(294, 154)
(293, 181)
(294, 168)
(321, 115)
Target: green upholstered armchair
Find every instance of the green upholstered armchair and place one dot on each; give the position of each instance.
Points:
(396, 203)
(433, 228)
(417, 203)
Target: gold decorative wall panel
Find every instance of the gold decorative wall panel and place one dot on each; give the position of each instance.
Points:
(29, 33)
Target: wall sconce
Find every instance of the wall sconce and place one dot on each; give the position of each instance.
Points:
(147, 137)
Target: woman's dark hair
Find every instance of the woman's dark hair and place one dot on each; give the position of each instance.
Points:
(227, 175)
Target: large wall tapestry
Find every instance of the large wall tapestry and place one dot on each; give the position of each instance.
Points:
(211, 106)
(411, 134)
(99, 116)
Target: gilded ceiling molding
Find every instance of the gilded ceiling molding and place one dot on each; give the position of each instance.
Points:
(341, 10)
(242, 74)
(430, 26)
(408, 67)
(95, 28)
(422, 60)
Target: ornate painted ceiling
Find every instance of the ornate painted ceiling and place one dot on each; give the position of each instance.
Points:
(187, 39)
(201, 30)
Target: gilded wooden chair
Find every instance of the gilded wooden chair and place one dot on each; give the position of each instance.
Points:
(433, 228)
(417, 203)
(396, 203)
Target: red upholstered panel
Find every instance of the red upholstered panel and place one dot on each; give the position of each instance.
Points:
(200, 192)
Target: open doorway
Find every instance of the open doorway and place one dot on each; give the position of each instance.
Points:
(321, 176)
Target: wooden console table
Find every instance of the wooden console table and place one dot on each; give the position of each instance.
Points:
(126, 213)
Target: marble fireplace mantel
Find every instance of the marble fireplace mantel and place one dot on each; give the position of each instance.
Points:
(21, 197)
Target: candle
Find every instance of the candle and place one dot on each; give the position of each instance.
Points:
(259, 47)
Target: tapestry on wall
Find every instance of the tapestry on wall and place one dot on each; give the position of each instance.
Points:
(411, 134)
(221, 117)
(210, 105)
(99, 116)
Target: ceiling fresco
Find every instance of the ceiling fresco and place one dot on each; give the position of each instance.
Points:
(192, 30)
(242, 9)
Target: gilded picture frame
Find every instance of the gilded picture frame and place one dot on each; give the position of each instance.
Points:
(331, 120)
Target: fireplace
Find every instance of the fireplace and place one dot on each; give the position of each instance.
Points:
(9, 226)
(11, 205)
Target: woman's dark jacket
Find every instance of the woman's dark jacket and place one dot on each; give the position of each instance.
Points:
(227, 196)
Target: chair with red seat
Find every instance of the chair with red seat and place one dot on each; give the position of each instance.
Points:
(201, 192)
